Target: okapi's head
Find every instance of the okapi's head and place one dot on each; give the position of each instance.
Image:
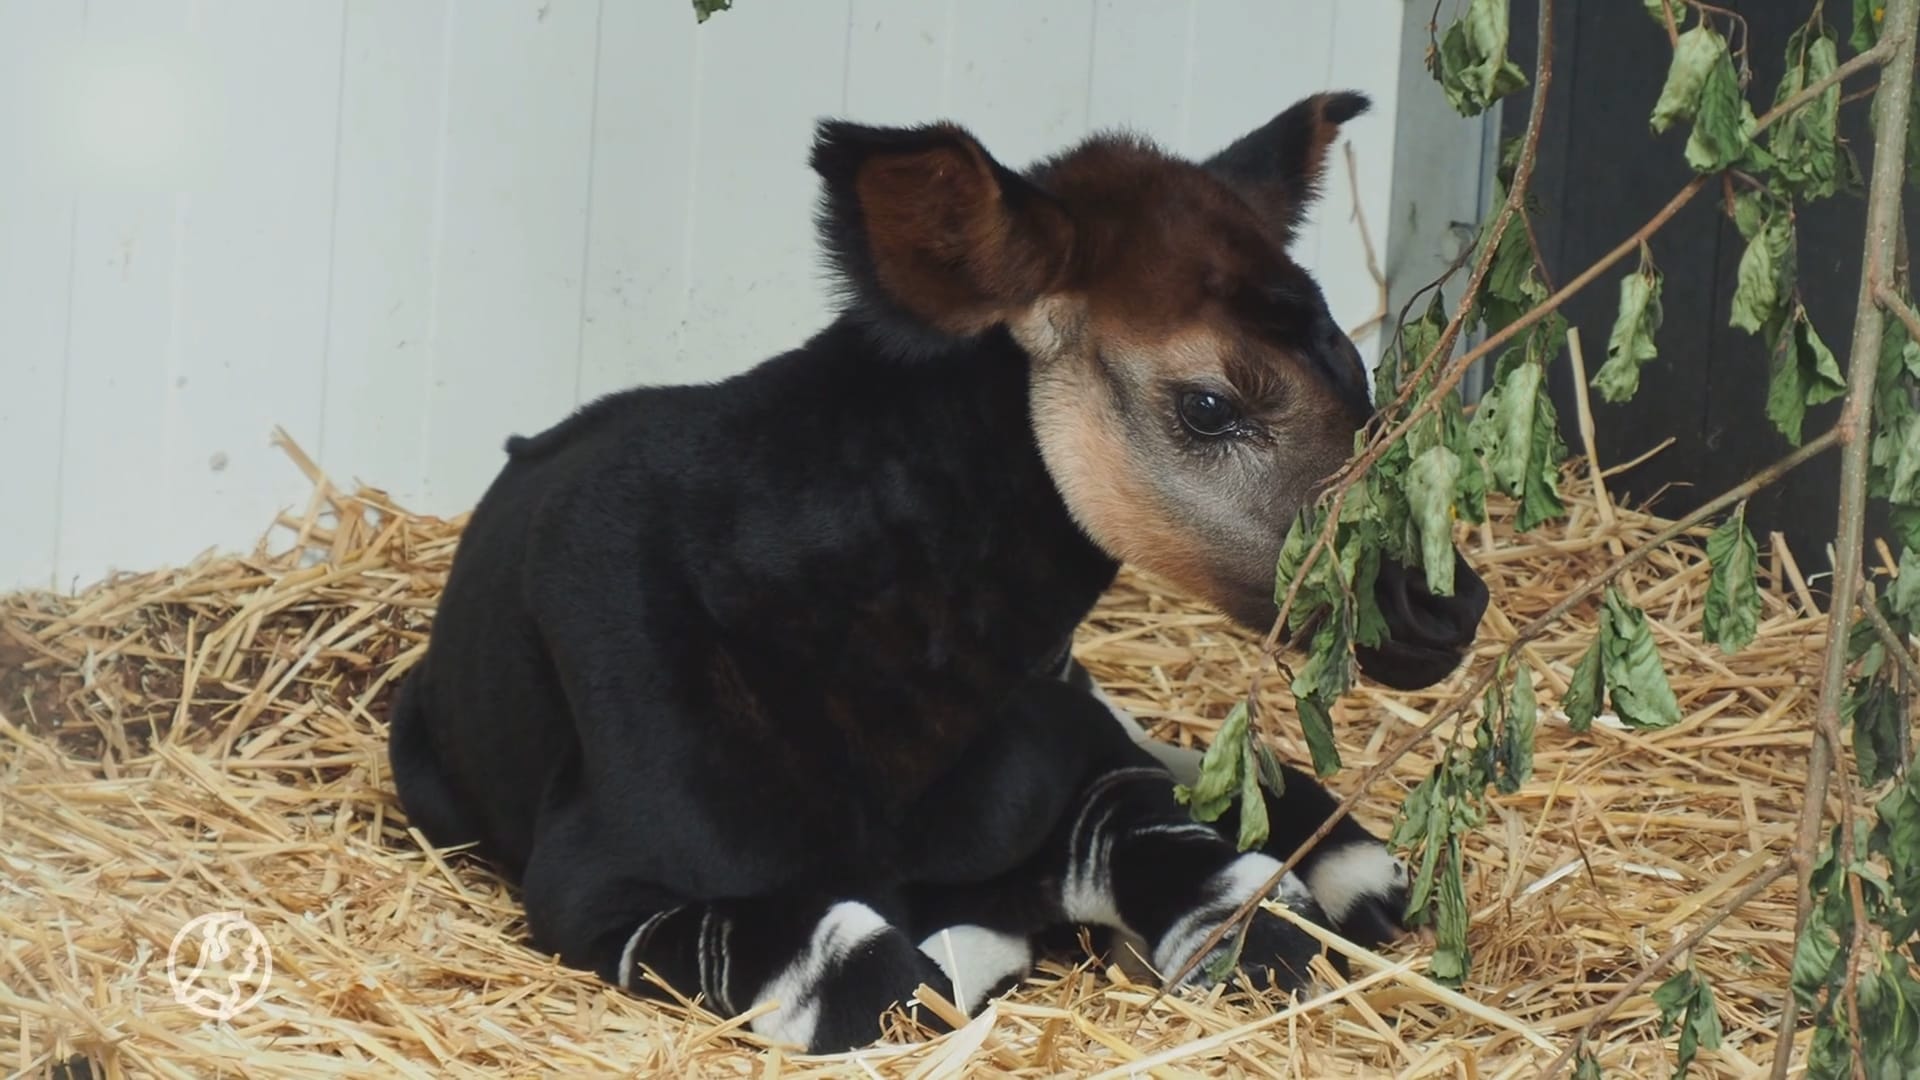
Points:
(1190, 390)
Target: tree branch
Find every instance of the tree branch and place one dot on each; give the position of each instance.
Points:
(1863, 361)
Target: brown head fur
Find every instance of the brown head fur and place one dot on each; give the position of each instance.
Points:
(1190, 390)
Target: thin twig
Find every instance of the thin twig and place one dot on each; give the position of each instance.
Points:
(1366, 246)
(1583, 409)
(1890, 300)
(1753, 888)
(1856, 417)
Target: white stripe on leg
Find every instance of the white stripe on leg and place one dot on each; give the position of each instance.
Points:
(845, 927)
(976, 960)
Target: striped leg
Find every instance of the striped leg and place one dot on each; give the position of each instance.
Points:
(831, 968)
(1137, 863)
(831, 965)
(1357, 882)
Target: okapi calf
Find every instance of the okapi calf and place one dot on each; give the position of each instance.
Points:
(765, 685)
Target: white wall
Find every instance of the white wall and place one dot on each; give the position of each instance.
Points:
(403, 229)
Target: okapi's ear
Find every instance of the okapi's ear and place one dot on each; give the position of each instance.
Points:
(929, 232)
(1277, 167)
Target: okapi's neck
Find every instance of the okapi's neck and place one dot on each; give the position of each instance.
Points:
(931, 540)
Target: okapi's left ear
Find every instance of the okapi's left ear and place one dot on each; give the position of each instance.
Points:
(1277, 167)
(931, 236)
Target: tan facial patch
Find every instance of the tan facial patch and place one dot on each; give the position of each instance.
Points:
(1083, 442)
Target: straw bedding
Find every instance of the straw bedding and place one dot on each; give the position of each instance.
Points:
(211, 738)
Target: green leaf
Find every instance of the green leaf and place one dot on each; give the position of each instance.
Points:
(1636, 682)
(1897, 453)
(1815, 956)
(1867, 16)
(1253, 811)
(1630, 345)
(1512, 286)
(1694, 57)
(1686, 1001)
(1540, 497)
(1272, 776)
(1803, 372)
(1732, 614)
(1316, 722)
(1764, 280)
(1585, 1067)
(1724, 124)
(1502, 428)
(704, 9)
(1804, 143)
(1904, 594)
(1657, 10)
(1471, 63)
(1320, 590)
(1516, 742)
(1582, 702)
(1451, 959)
(1221, 769)
(1429, 488)
(1878, 724)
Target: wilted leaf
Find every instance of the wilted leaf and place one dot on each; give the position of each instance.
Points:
(1582, 702)
(1430, 485)
(1316, 723)
(1867, 15)
(704, 9)
(1472, 63)
(1803, 372)
(1874, 707)
(1512, 285)
(1904, 594)
(1516, 743)
(1636, 681)
(1694, 57)
(1804, 143)
(1451, 960)
(1723, 127)
(1586, 1068)
(1686, 1001)
(1658, 11)
(1253, 811)
(1540, 496)
(1272, 776)
(1764, 280)
(1631, 345)
(1732, 615)
(1221, 769)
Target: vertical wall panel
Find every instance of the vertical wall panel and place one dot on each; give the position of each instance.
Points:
(757, 286)
(644, 139)
(900, 60)
(250, 299)
(512, 234)
(1021, 74)
(388, 175)
(1361, 60)
(115, 511)
(1142, 67)
(36, 272)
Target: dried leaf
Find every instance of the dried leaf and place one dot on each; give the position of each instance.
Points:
(1631, 344)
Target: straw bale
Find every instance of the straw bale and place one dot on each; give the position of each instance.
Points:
(210, 738)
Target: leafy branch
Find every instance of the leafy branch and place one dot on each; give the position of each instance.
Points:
(1427, 460)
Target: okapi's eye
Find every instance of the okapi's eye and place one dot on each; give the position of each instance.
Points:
(1207, 413)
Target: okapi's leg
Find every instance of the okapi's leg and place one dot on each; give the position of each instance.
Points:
(1122, 854)
(1357, 882)
(833, 965)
